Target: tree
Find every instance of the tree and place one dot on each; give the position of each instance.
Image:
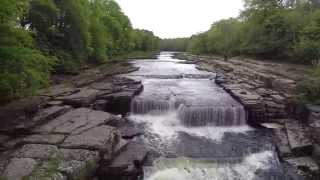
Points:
(23, 69)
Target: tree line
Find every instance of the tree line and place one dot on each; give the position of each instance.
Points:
(280, 30)
(274, 29)
(41, 37)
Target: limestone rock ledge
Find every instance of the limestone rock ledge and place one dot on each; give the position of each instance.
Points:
(266, 89)
(68, 147)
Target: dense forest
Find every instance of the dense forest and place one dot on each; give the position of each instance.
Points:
(41, 37)
(279, 30)
(274, 29)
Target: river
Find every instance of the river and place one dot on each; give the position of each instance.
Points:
(197, 129)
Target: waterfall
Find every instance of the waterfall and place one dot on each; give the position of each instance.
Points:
(216, 116)
(144, 106)
(233, 115)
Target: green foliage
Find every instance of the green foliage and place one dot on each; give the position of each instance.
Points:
(78, 31)
(144, 40)
(23, 69)
(276, 29)
(310, 88)
(223, 38)
(38, 37)
(177, 44)
(198, 44)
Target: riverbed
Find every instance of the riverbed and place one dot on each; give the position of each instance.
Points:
(197, 129)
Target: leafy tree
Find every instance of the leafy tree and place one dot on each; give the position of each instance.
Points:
(223, 38)
(40, 37)
(198, 44)
(177, 44)
(23, 69)
(274, 29)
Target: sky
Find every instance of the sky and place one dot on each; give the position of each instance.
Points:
(178, 18)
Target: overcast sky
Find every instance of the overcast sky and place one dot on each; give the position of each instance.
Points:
(178, 18)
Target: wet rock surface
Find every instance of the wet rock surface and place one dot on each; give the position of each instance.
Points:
(266, 89)
(127, 165)
(64, 133)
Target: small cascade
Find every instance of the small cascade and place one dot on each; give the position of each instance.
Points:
(141, 105)
(144, 106)
(216, 116)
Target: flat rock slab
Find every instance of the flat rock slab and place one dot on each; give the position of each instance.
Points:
(50, 113)
(120, 102)
(129, 132)
(281, 141)
(81, 99)
(102, 138)
(75, 122)
(135, 153)
(44, 139)
(279, 137)
(47, 162)
(299, 138)
(36, 151)
(59, 90)
(304, 163)
(42, 116)
(105, 86)
(18, 168)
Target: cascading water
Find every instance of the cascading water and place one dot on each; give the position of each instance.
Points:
(215, 116)
(203, 129)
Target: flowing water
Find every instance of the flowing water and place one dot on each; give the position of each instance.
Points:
(198, 129)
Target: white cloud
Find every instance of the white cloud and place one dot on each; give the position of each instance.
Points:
(178, 18)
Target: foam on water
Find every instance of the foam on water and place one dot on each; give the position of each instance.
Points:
(216, 116)
(167, 126)
(187, 115)
(193, 169)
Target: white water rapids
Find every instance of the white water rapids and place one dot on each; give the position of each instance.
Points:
(199, 130)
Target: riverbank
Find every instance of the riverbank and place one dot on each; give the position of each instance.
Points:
(267, 91)
(67, 130)
(79, 128)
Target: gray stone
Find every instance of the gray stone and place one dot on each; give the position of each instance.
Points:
(314, 115)
(44, 139)
(4, 160)
(127, 164)
(135, 152)
(19, 168)
(129, 132)
(278, 98)
(50, 113)
(121, 102)
(281, 142)
(75, 121)
(102, 138)
(55, 103)
(41, 117)
(299, 138)
(78, 163)
(304, 163)
(36, 151)
(272, 125)
(81, 99)
(12, 143)
(316, 153)
(17, 116)
(78, 155)
(60, 90)
(120, 147)
(3, 138)
(105, 86)
(100, 105)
